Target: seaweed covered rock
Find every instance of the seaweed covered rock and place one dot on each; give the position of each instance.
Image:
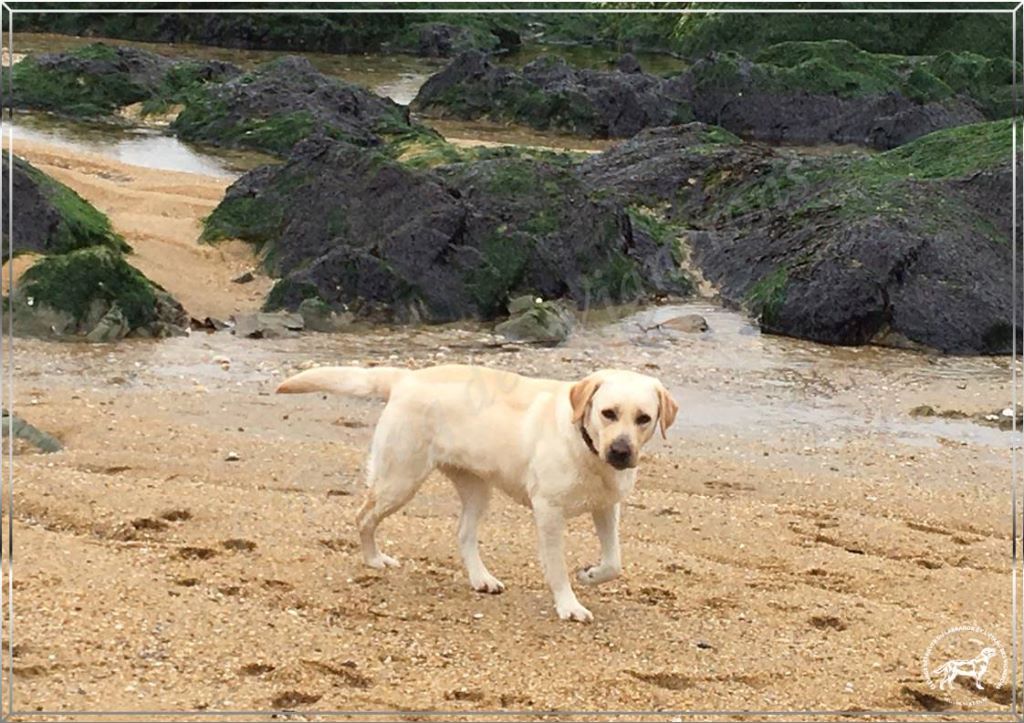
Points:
(911, 247)
(536, 321)
(307, 31)
(98, 79)
(800, 92)
(445, 39)
(832, 91)
(49, 217)
(364, 233)
(697, 34)
(284, 101)
(93, 293)
(549, 93)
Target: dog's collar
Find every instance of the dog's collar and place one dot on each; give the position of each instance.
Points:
(587, 440)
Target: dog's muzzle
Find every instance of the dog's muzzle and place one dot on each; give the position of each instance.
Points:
(620, 454)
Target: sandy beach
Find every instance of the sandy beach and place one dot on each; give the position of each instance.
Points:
(797, 543)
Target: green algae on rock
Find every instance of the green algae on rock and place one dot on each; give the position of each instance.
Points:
(911, 247)
(94, 292)
(49, 217)
(97, 80)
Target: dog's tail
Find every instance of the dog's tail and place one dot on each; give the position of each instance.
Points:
(375, 382)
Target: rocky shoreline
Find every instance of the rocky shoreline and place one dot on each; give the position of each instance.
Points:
(373, 214)
(809, 93)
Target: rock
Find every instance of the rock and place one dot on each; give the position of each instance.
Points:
(798, 92)
(245, 278)
(319, 316)
(627, 63)
(232, 457)
(365, 233)
(99, 79)
(208, 324)
(309, 32)
(542, 322)
(689, 323)
(284, 101)
(21, 429)
(263, 325)
(904, 246)
(49, 217)
(93, 292)
(924, 410)
(112, 327)
(828, 91)
(548, 93)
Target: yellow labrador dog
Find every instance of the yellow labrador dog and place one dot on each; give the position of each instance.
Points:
(560, 448)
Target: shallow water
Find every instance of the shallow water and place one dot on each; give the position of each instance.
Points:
(731, 381)
(146, 147)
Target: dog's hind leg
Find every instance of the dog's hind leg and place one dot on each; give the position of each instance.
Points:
(475, 493)
(398, 465)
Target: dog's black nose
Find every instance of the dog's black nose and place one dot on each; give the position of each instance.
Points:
(620, 454)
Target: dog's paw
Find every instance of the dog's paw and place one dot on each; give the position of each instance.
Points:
(382, 561)
(489, 584)
(596, 574)
(574, 611)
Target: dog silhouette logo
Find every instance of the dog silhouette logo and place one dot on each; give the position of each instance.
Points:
(963, 663)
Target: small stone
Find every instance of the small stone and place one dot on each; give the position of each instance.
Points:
(232, 457)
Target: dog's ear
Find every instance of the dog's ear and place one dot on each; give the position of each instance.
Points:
(667, 409)
(580, 395)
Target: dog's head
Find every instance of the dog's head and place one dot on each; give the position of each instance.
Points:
(619, 411)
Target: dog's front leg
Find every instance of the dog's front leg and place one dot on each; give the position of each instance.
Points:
(551, 537)
(606, 522)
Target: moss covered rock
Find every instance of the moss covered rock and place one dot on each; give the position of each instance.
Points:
(95, 293)
(697, 34)
(50, 218)
(284, 101)
(911, 247)
(362, 232)
(832, 91)
(800, 92)
(97, 80)
(548, 93)
(307, 31)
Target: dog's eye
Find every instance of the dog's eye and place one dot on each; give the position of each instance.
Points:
(643, 419)
(609, 414)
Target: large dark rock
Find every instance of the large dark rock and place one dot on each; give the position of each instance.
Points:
(908, 248)
(98, 79)
(360, 231)
(549, 93)
(49, 217)
(828, 91)
(284, 101)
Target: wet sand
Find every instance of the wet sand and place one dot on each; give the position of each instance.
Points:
(799, 551)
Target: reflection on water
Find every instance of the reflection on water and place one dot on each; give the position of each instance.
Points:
(148, 148)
